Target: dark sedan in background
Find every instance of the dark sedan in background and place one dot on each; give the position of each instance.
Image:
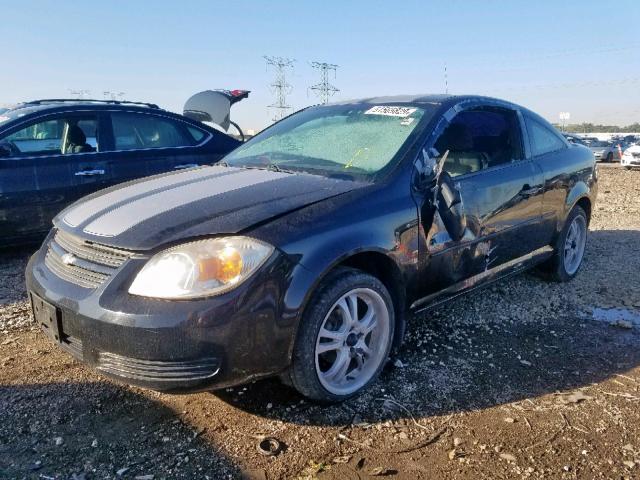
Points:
(53, 152)
(303, 253)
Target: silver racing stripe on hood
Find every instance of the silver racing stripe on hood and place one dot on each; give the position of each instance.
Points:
(127, 215)
(84, 211)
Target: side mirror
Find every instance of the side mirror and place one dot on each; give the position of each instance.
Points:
(426, 169)
(449, 203)
(5, 151)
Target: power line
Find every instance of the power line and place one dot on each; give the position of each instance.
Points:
(324, 89)
(280, 87)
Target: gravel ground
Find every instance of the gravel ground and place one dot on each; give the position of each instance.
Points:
(525, 379)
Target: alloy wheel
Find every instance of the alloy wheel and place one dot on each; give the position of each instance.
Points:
(574, 244)
(352, 341)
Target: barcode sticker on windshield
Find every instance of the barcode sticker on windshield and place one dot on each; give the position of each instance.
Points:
(390, 111)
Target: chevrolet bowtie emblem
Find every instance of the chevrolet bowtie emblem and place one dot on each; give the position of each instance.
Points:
(68, 258)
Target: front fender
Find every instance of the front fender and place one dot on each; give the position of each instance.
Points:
(323, 253)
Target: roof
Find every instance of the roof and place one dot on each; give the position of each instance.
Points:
(424, 99)
(27, 110)
(420, 98)
(44, 104)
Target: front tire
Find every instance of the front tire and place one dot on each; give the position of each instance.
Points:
(569, 248)
(344, 338)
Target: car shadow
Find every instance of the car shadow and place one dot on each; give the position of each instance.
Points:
(519, 338)
(69, 430)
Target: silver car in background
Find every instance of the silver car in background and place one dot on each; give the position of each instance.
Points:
(606, 151)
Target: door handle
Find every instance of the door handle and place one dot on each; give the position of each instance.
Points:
(528, 191)
(89, 173)
(185, 165)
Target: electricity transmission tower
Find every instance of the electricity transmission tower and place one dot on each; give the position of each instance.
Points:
(324, 89)
(79, 93)
(109, 95)
(280, 87)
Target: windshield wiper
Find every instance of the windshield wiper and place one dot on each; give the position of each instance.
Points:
(274, 167)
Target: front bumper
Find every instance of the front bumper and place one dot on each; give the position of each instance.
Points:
(630, 161)
(186, 345)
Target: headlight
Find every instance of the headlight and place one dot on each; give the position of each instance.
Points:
(200, 269)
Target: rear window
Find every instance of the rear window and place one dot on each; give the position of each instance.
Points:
(197, 134)
(543, 140)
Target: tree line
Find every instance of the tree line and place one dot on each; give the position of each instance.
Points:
(593, 128)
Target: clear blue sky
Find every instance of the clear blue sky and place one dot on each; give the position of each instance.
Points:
(551, 56)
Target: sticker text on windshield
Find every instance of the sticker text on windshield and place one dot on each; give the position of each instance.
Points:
(390, 111)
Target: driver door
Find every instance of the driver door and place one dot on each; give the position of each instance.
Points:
(38, 178)
(493, 208)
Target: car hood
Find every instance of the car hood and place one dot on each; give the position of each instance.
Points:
(633, 149)
(149, 213)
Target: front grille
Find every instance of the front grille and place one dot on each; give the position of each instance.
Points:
(156, 370)
(83, 263)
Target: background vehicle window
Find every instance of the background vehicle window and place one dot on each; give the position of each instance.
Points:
(132, 131)
(197, 134)
(479, 139)
(543, 140)
(55, 136)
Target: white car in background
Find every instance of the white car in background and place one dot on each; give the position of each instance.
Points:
(631, 157)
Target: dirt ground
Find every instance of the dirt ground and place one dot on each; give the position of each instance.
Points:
(525, 379)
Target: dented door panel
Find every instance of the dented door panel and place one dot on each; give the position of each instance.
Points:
(502, 209)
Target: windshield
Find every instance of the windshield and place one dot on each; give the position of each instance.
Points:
(12, 114)
(598, 143)
(356, 140)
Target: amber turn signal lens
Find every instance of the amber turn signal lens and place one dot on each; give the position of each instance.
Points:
(224, 268)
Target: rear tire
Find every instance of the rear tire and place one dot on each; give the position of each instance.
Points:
(568, 249)
(345, 337)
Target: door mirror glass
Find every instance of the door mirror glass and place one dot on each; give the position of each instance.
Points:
(450, 207)
(426, 168)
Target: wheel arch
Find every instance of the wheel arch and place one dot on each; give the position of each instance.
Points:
(382, 267)
(579, 195)
(376, 262)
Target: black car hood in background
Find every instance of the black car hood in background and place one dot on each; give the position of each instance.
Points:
(148, 213)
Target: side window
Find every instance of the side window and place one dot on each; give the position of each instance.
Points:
(480, 139)
(137, 130)
(197, 134)
(64, 135)
(543, 140)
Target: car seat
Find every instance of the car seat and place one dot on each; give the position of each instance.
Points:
(462, 158)
(77, 141)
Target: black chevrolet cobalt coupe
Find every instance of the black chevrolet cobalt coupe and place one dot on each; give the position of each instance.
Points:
(306, 251)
